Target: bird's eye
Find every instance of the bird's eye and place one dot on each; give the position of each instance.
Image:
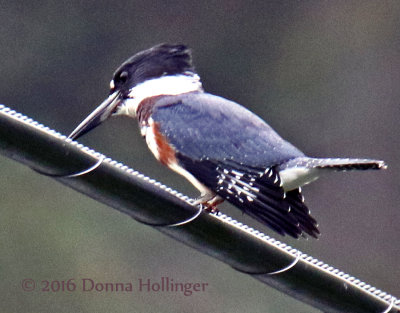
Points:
(123, 77)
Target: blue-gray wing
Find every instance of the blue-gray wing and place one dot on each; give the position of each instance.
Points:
(200, 125)
(234, 153)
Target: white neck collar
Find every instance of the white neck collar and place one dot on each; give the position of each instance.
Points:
(165, 85)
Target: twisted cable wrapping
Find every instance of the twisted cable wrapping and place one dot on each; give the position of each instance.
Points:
(174, 214)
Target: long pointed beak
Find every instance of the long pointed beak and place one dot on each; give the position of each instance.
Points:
(102, 112)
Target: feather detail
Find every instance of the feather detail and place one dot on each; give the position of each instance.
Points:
(258, 193)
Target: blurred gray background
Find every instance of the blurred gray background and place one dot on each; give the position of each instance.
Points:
(324, 74)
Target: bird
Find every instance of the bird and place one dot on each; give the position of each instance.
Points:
(223, 149)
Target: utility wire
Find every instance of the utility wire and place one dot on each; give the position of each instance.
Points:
(147, 201)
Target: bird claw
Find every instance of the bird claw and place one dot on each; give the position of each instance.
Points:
(210, 208)
(209, 202)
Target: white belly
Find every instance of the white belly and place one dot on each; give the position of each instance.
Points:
(295, 177)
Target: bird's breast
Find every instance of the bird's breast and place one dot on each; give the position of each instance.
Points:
(145, 109)
(158, 144)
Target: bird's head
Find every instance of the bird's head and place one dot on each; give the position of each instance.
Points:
(165, 69)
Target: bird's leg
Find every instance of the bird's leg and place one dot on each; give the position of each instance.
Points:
(210, 201)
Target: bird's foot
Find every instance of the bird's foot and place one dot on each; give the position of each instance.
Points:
(210, 208)
(209, 202)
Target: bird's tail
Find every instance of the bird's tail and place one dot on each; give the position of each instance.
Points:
(339, 164)
(350, 164)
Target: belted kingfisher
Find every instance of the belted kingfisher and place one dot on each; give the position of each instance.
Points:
(223, 149)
